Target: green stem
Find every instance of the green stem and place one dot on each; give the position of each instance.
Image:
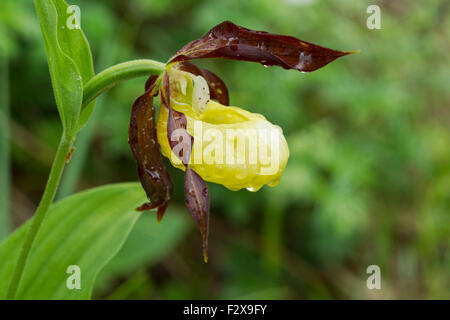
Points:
(44, 205)
(273, 240)
(5, 218)
(118, 73)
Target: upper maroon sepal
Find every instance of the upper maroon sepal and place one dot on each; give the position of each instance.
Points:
(231, 41)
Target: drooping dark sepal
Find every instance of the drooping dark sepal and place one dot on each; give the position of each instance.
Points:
(231, 41)
(146, 150)
(197, 201)
(217, 88)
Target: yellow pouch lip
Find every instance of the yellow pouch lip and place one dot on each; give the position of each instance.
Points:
(233, 177)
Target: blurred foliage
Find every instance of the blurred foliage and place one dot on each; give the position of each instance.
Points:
(368, 180)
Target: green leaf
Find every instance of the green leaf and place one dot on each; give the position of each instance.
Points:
(86, 229)
(148, 243)
(69, 60)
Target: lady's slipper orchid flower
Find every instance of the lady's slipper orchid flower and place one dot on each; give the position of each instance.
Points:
(200, 133)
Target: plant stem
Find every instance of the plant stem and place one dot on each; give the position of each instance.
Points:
(44, 205)
(118, 73)
(5, 220)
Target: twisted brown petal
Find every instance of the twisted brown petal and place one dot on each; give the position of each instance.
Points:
(145, 147)
(179, 139)
(230, 41)
(195, 189)
(197, 201)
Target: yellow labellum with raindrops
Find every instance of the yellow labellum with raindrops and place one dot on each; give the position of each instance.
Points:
(232, 147)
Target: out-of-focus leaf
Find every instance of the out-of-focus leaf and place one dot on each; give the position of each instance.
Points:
(17, 22)
(5, 162)
(143, 142)
(276, 293)
(85, 230)
(230, 41)
(69, 61)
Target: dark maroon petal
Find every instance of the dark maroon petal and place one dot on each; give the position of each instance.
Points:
(180, 140)
(197, 201)
(145, 147)
(217, 88)
(230, 41)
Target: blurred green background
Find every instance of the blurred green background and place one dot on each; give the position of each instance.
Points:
(367, 182)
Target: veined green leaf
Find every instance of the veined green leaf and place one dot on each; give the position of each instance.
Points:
(69, 60)
(148, 243)
(75, 44)
(85, 230)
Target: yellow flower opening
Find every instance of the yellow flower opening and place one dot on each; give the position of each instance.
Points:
(232, 147)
